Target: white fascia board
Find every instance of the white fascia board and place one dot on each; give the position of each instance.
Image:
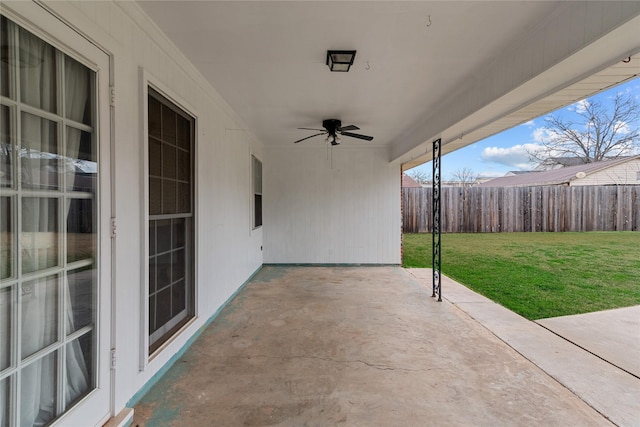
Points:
(531, 71)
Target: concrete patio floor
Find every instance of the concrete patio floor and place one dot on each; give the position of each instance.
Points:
(576, 360)
(368, 346)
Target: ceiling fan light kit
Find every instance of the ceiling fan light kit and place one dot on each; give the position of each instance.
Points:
(333, 129)
(340, 60)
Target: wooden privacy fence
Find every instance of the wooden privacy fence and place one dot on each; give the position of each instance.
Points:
(551, 208)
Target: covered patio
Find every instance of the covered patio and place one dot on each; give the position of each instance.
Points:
(201, 122)
(364, 346)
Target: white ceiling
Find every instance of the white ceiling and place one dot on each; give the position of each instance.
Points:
(267, 59)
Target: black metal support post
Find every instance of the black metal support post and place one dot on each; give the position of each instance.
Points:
(435, 231)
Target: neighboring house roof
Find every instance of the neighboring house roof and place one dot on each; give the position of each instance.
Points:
(559, 162)
(408, 182)
(561, 176)
(482, 179)
(512, 173)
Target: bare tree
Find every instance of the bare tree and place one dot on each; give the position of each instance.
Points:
(599, 133)
(466, 176)
(420, 176)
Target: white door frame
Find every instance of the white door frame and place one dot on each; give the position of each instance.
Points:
(97, 406)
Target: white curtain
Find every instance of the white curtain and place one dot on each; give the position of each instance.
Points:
(76, 99)
(37, 239)
(40, 234)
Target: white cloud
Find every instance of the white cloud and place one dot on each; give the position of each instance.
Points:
(622, 128)
(530, 123)
(516, 156)
(540, 135)
(581, 106)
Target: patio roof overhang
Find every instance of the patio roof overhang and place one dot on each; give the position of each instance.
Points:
(459, 71)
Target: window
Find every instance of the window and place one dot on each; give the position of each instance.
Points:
(256, 167)
(171, 218)
(48, 225)
(638, 176)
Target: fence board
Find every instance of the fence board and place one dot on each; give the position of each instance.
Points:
(552, 208)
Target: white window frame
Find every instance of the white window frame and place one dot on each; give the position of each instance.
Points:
(148, 80)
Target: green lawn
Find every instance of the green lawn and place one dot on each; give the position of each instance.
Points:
(539, 275)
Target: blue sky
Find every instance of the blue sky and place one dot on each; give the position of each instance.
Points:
(506, 151)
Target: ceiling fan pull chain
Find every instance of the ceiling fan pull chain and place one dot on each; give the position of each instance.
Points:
(331, 150)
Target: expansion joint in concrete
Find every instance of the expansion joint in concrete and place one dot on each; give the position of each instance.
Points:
(331, 360)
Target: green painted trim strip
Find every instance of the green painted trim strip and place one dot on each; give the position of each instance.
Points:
(156, 377)
(329, 265)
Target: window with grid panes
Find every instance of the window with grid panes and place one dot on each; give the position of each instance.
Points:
(171, 253)
(256, 168)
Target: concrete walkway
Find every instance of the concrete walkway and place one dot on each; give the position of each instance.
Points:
(613, 335)
(612, 391)
(368, 346)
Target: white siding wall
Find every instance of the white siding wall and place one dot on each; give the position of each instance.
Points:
(318, 210)
(228, 250)
(624, 174)
(315, 211)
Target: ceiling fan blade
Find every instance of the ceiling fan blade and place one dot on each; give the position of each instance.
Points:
(357, 135)
(300, 140)
(319, 130)
(349, 127)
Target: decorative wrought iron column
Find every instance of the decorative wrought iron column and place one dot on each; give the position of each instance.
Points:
(435, 229)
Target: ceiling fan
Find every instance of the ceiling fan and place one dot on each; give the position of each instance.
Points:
(333, 129)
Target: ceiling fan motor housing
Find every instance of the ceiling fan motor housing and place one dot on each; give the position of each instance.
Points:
(331, 125)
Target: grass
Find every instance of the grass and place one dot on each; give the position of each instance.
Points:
(539, 275)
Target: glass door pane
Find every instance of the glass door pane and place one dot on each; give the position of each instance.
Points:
(6, 308)
(38, 397)
(6, 237)
(6, 152)
(4, 402)
(39, 307)
(40, 233)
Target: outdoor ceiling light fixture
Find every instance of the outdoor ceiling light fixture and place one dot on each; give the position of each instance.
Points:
(333, 139)
(340, 60)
